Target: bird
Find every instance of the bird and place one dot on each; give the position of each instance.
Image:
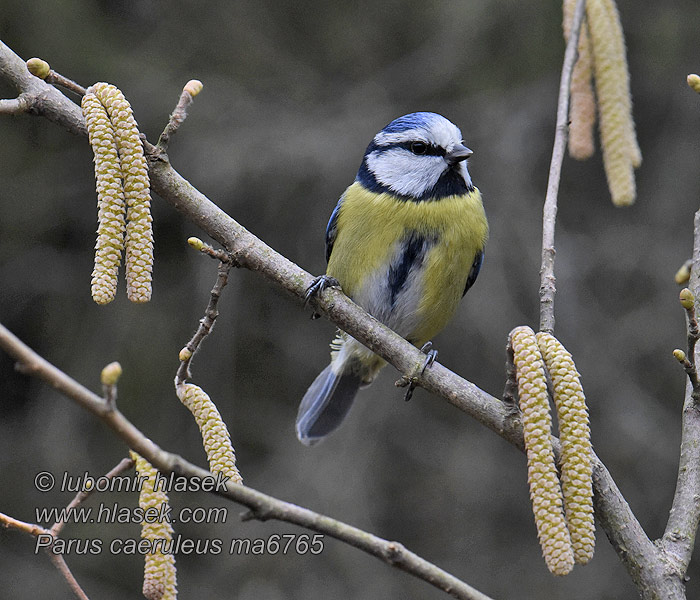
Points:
(405, 242)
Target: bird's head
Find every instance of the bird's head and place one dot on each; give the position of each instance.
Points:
(418, 157)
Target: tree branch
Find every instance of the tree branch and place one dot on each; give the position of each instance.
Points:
(124, 465)
(61, 564)
(206, 323)
(57, 559)
(643, 560)
(15, 106)
(679, 537)
(262, 506)
(42, 98)
(547, 280)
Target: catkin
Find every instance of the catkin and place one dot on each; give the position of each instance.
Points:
(110, 200)
(159, 575)
(215, 435)
(575, 436)
(139, 229)
(618, 37)
(582, 103)
(545, 491)
(620, 150)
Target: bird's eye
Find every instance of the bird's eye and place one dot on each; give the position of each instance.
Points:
(419, 148)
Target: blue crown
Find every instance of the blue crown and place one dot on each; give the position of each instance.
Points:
(412, 121)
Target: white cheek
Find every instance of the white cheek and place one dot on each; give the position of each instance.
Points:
(404, 172)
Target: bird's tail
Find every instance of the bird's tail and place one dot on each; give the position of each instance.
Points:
(330, 396)
(325, 404)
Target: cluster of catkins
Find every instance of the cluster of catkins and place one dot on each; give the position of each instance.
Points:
(123, 195)
(563, 510)
(602, 60)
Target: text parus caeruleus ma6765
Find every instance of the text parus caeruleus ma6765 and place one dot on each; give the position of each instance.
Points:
(405, 242)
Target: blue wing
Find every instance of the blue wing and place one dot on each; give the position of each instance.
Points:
(332, 228)
(474, 271)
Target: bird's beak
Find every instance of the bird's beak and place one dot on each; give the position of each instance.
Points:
(458, 153)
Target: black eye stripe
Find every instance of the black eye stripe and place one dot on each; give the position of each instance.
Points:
(430, 149)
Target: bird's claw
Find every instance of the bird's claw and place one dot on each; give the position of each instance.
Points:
(317, 286)
(412, 382)
(431, 355)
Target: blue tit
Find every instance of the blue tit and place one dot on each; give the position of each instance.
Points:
(405, 242)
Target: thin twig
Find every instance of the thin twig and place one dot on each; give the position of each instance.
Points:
(178, 115)
(57, 79)
(206, 323)
(547, 280)
(41, 69)
(124, 465)
(56, 558)
(687, 359)
(210, 251)
(30, 528)
(691, 372)
(60, 563)
(263, 507)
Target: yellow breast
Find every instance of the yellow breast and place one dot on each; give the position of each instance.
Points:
(370, 226)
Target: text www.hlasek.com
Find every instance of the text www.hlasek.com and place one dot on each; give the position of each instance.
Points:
(113, 513)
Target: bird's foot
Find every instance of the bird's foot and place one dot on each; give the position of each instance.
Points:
(430, 355)
(412, 382)
(317, 286)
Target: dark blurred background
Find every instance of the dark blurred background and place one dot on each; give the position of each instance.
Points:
(293, 92)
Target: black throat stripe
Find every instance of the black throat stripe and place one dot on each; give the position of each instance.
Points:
(414, 247)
